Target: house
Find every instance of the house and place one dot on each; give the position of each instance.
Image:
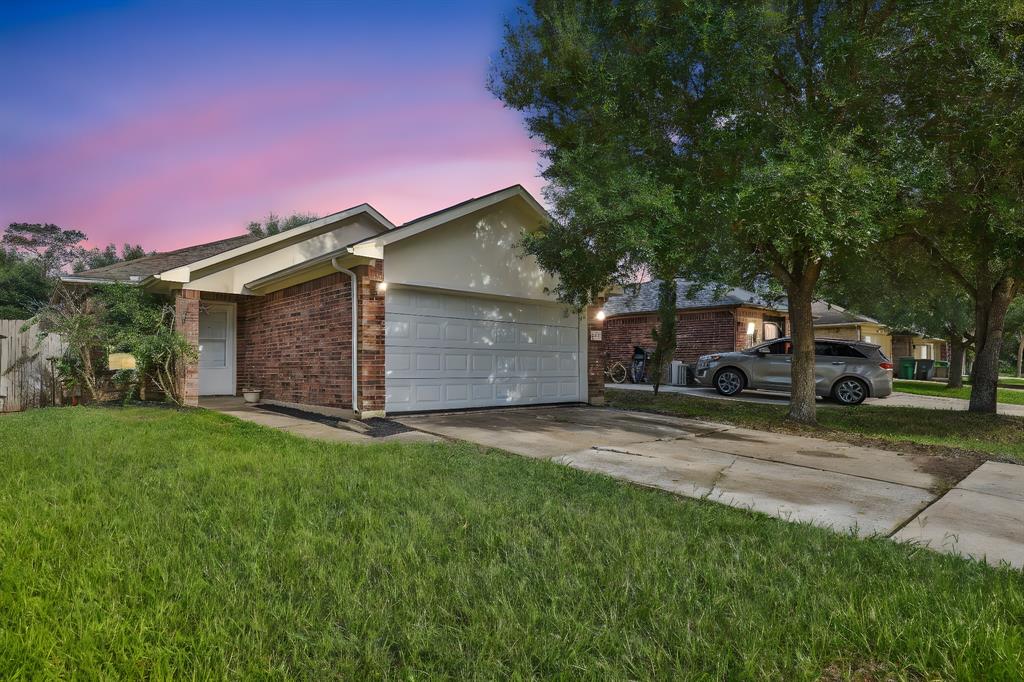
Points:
(832, 321)
(907, 344)
(351, 311)
(710, 318)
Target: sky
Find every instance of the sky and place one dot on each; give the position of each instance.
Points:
(175, 123)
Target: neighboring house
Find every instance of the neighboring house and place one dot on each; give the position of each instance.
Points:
(350, 311)
(831, 321)
(906, 344)
(710, 319)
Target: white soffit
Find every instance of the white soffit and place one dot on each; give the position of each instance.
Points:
(183, 273)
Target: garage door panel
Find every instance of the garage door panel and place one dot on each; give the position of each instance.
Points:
(411, 363)
(440, 394)
(424, 302)
(404, 330)
(449, 351)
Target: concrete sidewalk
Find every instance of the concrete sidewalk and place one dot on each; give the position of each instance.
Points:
(897, 399)
(848, 488)
(237, 407)
(982, 517)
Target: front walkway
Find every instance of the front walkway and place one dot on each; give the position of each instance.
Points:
(237, 407)
(848, 488)
(774, 398)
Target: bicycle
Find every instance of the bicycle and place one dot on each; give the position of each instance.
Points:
(615, 372)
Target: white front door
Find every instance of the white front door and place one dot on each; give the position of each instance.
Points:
(446, 351)
(216, 349)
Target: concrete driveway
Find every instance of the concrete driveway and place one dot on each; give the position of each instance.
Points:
(848, 488)
(897, 399)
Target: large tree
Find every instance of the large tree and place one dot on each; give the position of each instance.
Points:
(906, 294)
(95, 257)
(742, 138)
(50, 246)
(960, 70)
(23, 286)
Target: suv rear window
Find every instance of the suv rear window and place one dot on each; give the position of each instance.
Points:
(837, 350)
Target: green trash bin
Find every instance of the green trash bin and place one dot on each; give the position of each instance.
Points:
(906, 368)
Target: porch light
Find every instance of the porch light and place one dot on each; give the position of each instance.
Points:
(751, 328)
(382, 287)
(600, 316)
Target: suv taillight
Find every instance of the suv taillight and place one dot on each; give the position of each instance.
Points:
(885, 365)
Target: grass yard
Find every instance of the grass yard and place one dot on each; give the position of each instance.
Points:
(1010, 396)
(143, 542)
(944, 432)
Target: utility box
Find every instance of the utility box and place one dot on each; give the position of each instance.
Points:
(906, 368)
(678, 374)
(925, 370)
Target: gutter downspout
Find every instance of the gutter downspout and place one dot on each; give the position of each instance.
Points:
(355, 333)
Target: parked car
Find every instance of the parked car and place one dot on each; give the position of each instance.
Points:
(848, 371)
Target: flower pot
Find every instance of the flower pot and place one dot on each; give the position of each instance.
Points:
(252, 396)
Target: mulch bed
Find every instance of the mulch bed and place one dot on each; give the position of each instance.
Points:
(375, 427)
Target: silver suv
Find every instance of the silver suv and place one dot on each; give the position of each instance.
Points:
(848, 371)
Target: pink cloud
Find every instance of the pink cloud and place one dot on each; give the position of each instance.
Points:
(199, 171)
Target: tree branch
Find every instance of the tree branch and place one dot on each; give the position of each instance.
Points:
(948, 265)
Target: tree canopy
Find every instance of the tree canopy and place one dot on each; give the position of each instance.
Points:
(50, 246)
(23, 287)
(274, 224)
(726, 140)
(89, 259)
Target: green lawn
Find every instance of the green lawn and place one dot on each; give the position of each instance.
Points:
(156, 543)
(947, 432)
(1011, 396)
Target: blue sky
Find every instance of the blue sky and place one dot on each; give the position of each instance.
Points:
(175, 123)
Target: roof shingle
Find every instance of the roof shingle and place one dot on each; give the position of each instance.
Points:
(644, 298)
(147, 266)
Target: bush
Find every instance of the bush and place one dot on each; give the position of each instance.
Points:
(116, 318)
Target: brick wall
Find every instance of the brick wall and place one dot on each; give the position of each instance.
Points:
(296, 343)
(371, 339)
(595, 356)
(697, 333)
(744, 316)
(186, 322)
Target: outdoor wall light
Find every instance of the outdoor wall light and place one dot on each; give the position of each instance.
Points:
(382, 287)
(600, 315)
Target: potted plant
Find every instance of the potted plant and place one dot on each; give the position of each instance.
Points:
(252, 395)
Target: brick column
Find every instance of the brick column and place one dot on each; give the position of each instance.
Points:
(371, 340)
(186, 323)
(595, 355)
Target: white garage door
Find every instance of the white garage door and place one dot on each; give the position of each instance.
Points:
(452, 351)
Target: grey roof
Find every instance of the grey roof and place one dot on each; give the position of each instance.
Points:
(644, 298)
(829, 314)
(147, 266)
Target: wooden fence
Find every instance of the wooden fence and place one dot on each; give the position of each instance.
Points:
(26, 367)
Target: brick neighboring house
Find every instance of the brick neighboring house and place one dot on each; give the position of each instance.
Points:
(708, 320)
(350, 311)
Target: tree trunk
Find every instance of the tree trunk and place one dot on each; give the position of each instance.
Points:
(990, 316)
(802, 407)
(956, 361)
(1020, 355)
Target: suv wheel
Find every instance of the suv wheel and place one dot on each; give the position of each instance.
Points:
(850, 391)
(729, 381)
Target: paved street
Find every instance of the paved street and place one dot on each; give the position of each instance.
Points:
(772, 398)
